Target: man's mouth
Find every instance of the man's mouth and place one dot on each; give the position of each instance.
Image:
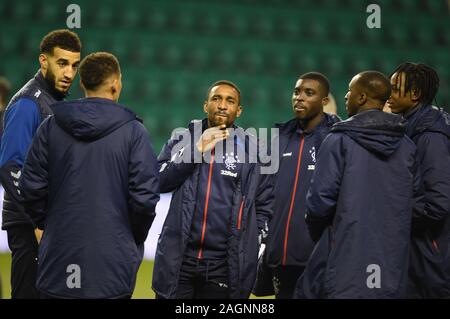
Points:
(299, 108)
(64, 83)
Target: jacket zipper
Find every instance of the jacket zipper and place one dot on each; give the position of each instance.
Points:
(435, 245)
(205, 212)
(240, 213)
(294, 191)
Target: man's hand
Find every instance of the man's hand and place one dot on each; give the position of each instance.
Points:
(211, 136)
(38, 233)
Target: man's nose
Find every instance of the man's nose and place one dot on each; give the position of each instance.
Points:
(69, 73)
(223, 105)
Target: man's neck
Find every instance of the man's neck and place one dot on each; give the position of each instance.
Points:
(102, 95)
(410, 111)
(308, 126)
(364, 108)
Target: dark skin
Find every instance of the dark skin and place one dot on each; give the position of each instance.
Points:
(358, 100)
(401, 101)
(223, 107)
(308, 100)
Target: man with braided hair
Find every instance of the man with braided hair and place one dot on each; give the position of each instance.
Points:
(414, 87)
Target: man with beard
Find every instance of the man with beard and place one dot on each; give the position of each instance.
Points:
(288, 243)
(208, 247)
(59, 59)
(90, 180)
(361, 200)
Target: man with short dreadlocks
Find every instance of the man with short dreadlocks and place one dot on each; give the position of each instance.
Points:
(414, 87)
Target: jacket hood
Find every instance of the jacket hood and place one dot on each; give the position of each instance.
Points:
(378, 132)
(291, 125)
(89, 119)
(428, 118)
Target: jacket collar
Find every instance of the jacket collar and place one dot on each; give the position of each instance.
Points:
(48, 88)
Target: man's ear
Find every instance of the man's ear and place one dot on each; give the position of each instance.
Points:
(205, 107)
(239, 111)
(415, 95)
(325, 101)
(114, 85)
(43, 61)
(362, 98)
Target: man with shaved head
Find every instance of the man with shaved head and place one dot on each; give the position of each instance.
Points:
(361, 200)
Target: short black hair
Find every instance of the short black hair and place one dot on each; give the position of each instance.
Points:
(319, 77)
(420, 77)
(376, 84)
(64, 39)
(226, 82)
(5, 90)
(96, 67)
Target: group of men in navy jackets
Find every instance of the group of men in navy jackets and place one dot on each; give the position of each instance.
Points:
(357, 208)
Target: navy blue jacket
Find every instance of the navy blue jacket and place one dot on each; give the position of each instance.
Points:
(362, 195)
(23, 115)
(252, 200)
(90, 180)
(429, 128)
(289, 242)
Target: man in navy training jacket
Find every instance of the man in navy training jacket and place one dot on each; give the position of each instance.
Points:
(208, 247)
(91, 182)
(414, 87)
(288, 243)
(59, 59)
(361, 201)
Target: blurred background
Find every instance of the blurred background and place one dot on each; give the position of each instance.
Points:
(171, 51)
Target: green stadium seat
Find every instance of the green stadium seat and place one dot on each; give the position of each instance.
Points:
(118, 47)
(425, 36)
(9, 44)
(288, 28)
(436, 8)
(196, 58)
(334, 66)
(50, 12)
(250, 61)
(130, 18)
(261, 26)
(343, 32)
(236, 25)
(223, 59)
(102, 17)
(155, 19)
(21, 11)
(184, 22)
(397, 35)
(169, 55)
(316, 30)
(360, 64)
(207, 24)
(373, 36)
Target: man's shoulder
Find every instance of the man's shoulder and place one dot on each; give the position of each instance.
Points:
(31, 89)
(23, 105)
